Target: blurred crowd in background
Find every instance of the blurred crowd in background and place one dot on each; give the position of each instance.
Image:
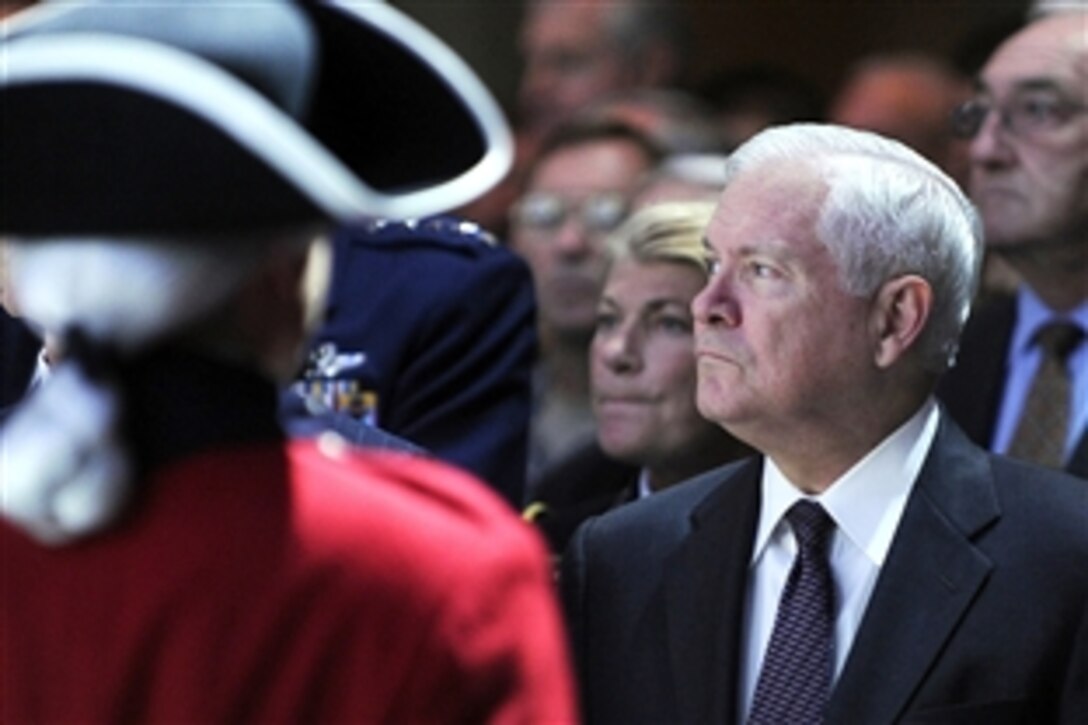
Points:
(540, 335)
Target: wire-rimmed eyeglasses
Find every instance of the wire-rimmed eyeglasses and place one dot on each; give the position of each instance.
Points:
(1024, 116)
(546, 211)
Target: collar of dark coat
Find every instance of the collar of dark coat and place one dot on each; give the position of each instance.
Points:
(179, 404)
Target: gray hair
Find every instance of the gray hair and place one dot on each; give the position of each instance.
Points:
(1042, 8)
(888, 212)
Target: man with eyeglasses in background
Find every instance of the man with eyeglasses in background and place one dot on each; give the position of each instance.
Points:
(1020, 385)
(579, 189)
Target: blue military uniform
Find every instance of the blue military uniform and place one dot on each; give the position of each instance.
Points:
(19, 349)
(431, 335)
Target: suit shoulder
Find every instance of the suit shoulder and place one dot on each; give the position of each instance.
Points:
(667, 513)
(455, 256)
(1055, 501)
(445, 235)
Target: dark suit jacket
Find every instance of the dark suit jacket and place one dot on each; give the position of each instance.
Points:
(971, 391)
(585, 483)
(980, 613)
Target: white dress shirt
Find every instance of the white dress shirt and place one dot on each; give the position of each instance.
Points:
(866, 504)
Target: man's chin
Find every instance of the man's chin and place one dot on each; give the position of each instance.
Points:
(1014, 247)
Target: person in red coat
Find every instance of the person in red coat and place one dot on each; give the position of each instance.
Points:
(168, 554)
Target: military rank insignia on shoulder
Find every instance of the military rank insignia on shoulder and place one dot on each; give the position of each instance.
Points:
(331, 381)
(440, 228)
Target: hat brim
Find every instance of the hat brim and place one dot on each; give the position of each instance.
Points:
(111, 134)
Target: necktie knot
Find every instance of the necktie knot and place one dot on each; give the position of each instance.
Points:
(811, 525)
(1058, 339)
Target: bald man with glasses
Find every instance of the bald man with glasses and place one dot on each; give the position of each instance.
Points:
(1020, 386)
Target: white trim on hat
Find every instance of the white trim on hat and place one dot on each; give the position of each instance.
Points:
(464, 83)
(349, 196)
(200, 87)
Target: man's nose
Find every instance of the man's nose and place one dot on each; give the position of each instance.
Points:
(991, 145)
(572, 239)
(715, 304)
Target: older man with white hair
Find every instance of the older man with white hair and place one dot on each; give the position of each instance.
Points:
(1021, 383)
(873, 565)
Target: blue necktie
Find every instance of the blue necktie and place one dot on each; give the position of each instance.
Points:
(795, 681)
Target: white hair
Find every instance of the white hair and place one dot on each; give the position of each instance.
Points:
(127, 293)
(888, 212)
(66, 470)
(1041, 8)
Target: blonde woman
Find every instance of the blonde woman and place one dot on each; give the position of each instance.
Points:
(650, 434)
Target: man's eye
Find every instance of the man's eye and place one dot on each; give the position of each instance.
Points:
(540, 211)
(1037, 111)
(604, 212)
(762, 271)
(606, 320)
(713, 267)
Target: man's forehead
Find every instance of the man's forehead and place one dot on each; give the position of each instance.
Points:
(1052, 51)
(553, 25)
(769, 210)
(788, 187)
(589, 164)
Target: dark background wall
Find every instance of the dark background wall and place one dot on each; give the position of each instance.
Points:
(816, 38)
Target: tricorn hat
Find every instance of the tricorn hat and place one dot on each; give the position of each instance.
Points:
(119, 118)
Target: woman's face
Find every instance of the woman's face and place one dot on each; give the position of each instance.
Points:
(643, 363)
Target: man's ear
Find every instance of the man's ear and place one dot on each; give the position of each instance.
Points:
(899, 314)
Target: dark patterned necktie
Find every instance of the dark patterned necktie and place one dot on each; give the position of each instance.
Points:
(795, 681)
(1041, 433)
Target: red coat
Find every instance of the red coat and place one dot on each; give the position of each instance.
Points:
(280, 583)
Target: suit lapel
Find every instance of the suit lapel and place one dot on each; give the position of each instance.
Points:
(705, 589)
(1078, 462)
(932, 574)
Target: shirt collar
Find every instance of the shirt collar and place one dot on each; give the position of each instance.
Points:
(867, 501)
(643, 489)
(1032, 313)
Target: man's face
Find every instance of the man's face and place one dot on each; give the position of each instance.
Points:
(576, 196)
(1031, 185)
(642, 363)
(569, 61)
(779, 344)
